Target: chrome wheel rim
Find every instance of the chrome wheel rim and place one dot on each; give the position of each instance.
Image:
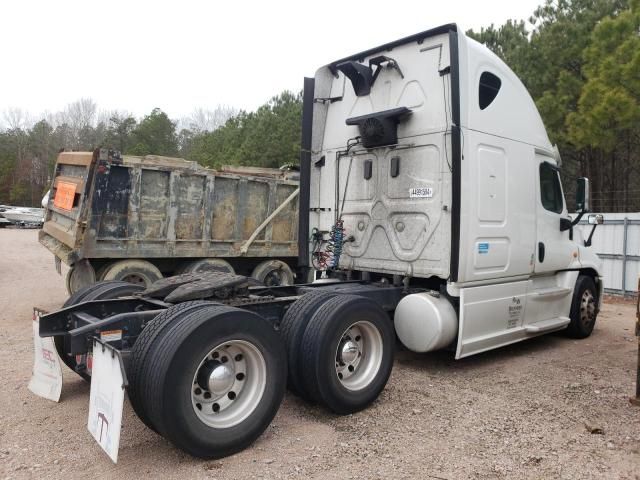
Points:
(587, 308)
(359, 355)
(228, 384)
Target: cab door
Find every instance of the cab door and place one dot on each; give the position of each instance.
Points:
(554, 249)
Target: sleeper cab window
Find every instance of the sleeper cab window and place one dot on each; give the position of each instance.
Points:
(550, 189)
(488, 90)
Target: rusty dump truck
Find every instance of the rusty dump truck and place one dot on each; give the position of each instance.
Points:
(137, 219)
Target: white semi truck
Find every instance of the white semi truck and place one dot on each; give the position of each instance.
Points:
(431, 210)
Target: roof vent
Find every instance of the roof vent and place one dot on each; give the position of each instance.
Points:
(381, 128)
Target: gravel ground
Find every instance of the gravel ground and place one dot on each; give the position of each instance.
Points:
(525, 411)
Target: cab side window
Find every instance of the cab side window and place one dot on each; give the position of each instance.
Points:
(488, 89)
(550, 189)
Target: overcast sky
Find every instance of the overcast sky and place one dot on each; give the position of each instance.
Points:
(177, 55)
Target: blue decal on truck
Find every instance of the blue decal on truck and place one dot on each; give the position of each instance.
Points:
(483, 248)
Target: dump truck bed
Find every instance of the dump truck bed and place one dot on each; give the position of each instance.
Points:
(103, 205)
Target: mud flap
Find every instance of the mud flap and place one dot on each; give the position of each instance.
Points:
(106, 400)
(46, 377)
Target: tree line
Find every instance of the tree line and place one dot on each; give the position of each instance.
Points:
(579, 59)
(581, 64)
(268, 137)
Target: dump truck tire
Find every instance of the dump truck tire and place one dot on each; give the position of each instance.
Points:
(206, 265)
(137, 272)
(584, 310)
(151, 331)
(79, 276)
(292, 328)
(273, 273)
(98, 291)
(216, 379)
(347, 353)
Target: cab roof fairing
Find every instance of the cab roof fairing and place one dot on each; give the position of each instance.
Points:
(512, 114)
(324, 80)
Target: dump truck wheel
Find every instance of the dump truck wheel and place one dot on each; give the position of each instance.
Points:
(216, 379)
(292, 328)
(273, 273)
(584, 309)
(140, 350)
(347, 353)
(98, 291)
(100, 272)
(138, 272)
(79, 276)
(206, 265)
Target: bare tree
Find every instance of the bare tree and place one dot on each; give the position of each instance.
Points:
(204, 120)
(17, 119)
(80, 116)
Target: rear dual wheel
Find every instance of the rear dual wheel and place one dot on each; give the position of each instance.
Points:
(140, 351)
(344, 356)
(212, 380)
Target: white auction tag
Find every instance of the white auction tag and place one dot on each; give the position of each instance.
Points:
(46, 378)
(106, 400)
(421, 192)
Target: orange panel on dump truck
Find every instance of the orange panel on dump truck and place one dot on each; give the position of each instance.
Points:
(64, 195)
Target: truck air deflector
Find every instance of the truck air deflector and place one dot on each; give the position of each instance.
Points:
(305, 173)
(380, 128)
(456, 148)
(360, 76)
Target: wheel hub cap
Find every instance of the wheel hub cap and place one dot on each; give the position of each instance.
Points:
(349, 352)
(221, 379)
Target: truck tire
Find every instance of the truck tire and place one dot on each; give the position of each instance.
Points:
(138, 272)
(80, 275)
(347, 353)
(584, 309)
(206, 265)
(273, 273)
(98, 291)
(215, 380)
(140, 350)
(292, 328)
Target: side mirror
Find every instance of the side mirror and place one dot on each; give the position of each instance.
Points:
(582, 195)
(595, 219)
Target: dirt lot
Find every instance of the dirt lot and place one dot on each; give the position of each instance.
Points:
(521, 412)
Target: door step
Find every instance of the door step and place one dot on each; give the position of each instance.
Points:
(547, 325)
(550, 292)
